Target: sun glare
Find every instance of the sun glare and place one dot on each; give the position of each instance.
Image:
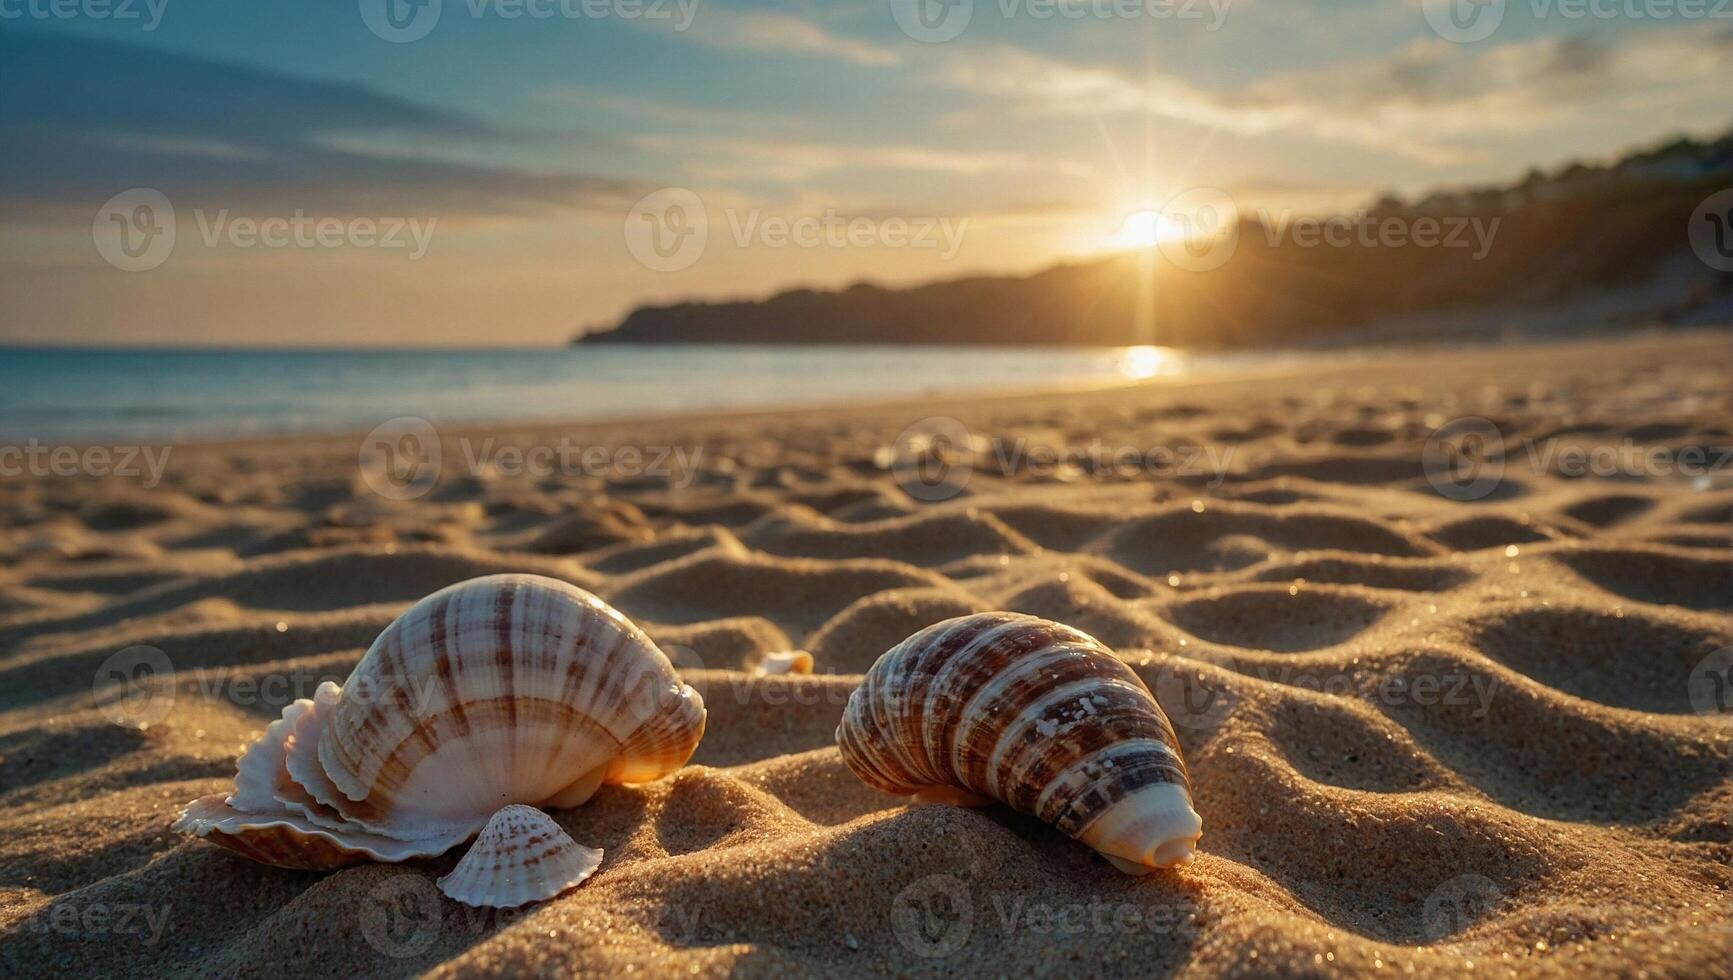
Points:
(1147, 361)
(1144, 229)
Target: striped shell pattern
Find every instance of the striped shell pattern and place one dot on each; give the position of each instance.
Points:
(1034, 714)
(501, 690)
(522, 856)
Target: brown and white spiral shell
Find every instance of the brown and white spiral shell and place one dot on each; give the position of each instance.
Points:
(499, 690)
(1034, 714)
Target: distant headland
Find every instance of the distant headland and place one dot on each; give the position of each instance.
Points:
(1544, 240)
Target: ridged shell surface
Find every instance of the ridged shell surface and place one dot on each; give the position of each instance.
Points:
(522, 856)
(289, 841)
(500, 690)
(1036, 715)
(504, 689)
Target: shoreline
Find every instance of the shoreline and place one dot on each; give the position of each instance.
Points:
(1321, 362)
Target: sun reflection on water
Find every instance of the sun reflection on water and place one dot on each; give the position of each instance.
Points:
(1147, 361)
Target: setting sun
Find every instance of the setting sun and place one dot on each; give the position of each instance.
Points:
(1145, 229)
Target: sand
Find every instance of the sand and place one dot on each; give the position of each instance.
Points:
(1427, 735)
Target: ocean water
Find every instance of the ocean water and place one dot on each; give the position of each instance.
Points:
(111, 395)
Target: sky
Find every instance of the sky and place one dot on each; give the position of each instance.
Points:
(512, 172)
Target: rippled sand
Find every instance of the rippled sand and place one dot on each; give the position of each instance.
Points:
(1424, 731)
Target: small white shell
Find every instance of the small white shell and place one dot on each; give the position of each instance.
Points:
(785, 662)
(522, 856)
(1032, 713)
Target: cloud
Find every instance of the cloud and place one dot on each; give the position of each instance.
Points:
(639, 111)
(758, 30)
(1429, 101)
(100, 118)
(793, 161)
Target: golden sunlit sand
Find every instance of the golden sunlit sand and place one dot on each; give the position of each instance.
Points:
(1427, 736)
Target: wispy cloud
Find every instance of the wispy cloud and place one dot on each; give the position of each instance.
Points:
(745, 158)
(767, 31)
(1429, 101)
(101, 118)
(641, 111)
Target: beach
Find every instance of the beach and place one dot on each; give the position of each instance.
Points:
(1444, 636)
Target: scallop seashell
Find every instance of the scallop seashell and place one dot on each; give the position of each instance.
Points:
(504, 689)
(288, 841)
(262, 765)
(522, 856)
(1034, 714)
